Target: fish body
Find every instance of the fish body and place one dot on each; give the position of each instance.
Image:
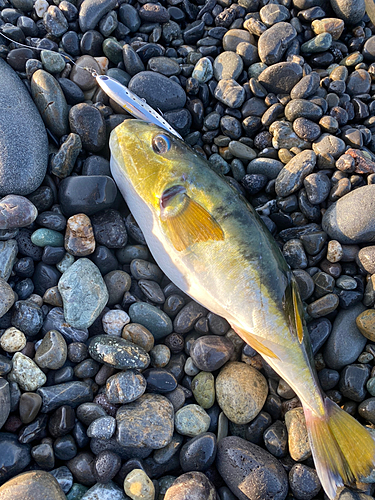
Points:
(211, 243)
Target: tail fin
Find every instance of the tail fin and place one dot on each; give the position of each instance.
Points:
(342, 449)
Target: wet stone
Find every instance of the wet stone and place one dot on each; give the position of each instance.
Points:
(191, 483)
(139, 335)
(353, 381)
(12, 340)
(64, 477)
(7, 297)
(276, 439)
(187, 317)
(203, 388)
(71, 393)
(304, 482)
(55, 320)
(88, 123)
(147, 422)
(280, 78)
(230, 93)
(366, 324)
(291, 177)
(323, 306)
(102, 428)
(155, 320)
(192, 420)
(319, 331)
(125, 387)
(211, 352)
(79, 236)
(299, 447)
(294, 254)
(117, 352)
(83, 292)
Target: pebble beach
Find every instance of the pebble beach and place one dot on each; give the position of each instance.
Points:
(114, 384)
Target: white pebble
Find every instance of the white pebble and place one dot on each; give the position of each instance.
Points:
(334, 251)
(13, 340)
(41, 7)
(114, 321)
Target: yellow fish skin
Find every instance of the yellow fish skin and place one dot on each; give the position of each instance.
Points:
(211, 243)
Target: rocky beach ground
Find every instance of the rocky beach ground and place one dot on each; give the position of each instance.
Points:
(113, 383)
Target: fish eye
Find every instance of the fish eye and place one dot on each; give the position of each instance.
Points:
(161, 144)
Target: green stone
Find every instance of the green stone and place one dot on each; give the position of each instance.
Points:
(120, 75)
(256, 69)
(113, 50)
(47, 237)
(203, 387)
(53, 62)
(192, 420)
(352, 59)
(203, 70)
(370, 386)
(76, 492)
(155, 320)
(65, 263)
(319, 43)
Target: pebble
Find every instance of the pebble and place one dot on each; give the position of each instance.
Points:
(298, 441)
(365, 322)
(191, 485)
(12, 340)
(356, 229)
(4, 401)
(52, 351)
(33, 484)
(26, 373)
(346, 342)
(280, 78)
(276, 439)
(304, 482)
(241, 392)
(147, 422)
(350, 13)
(155, 320)
(71, 393)
(79, 238)
(199, 453)
(209, 353)
(55, 320)
(203, 389)
(353, 382)
(291, 177)
(230, 93)
(125, 387)
(117, 352)
(102, 428)
(274, 41)
(64, 477)
(83, 292)
(108, 491)
(250, 471)
(192, 420)
(138, 485)
(88, 123)
(16, 211)
(8, 255)
(228, 65)
(23, 145)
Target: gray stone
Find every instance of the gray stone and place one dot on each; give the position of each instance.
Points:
(50, 101)
(350, 12)
(227, 65)
(306, 87)
(102, 428)
(26, 373)
(107, 491)
(118, 352)
(346, 342)
(64, 477)
(70, 393)
(274, 42)
(125, 387)
(145, 423)
(154, 319)
(8, 254)
(91, 11)
(230, 93)
(31, 485)
(55, 320)
(290, 178)
(16, 211)
(4, 401)
(360, 226)
(7, 297)
(23, 138)
(280, 78)
(83, 292)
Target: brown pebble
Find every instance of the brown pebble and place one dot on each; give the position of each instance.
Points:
(79, 236)
(366, 324)
(139, 335)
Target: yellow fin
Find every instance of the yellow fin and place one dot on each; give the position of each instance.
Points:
(187, 222)
(297, 316)
(343, 450)
(255, 342)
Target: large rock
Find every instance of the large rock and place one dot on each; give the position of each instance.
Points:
(36, 484)
(280, 78)
(23, 137)
(352, 218)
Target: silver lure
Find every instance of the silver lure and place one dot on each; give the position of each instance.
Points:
(132, 103)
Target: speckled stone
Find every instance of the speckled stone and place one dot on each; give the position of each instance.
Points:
(125, 387)
(139, 486)
(23, 138)
(12, 340)
(366, 324)
(203, 388)
(107, 491)
(79, 236)
(84, 293)
(31, 485)
(192, 420)
(241, 392)
(16, 211)
(118, 352)
(299, 446)
(191, 485)
(52, 351)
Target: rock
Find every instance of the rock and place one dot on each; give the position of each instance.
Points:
(26, 373)
(227, 66)
(88, 123)
(192, 420)
(155, 320)
(52, 351)
(16, 211)
(7, 297)
(147, 422)
(199, 453)
(298, 440)
(139, 486)
(211, 352)
(291, 177)
(353, 382)
(79, 238)
(273, 42)
(125, 387)
(346, 342)
(203, 388)
(12, 340)
(306, 87)
(250, 471)
(102, 428)
(23, 138)
(50, 101)
(360, 227)
(8, 255)
(14, 457)
(328, 25)
(349, 12)
(118, 352)
(280, 78)
(4, 401)
(230, 93)
(241, 392)
(159, 91)
(304, 482)
(83, 292)
(366, 324)
(34, 484)
(70, 393)
(191, 485)
(91, 11)
(55, 320)
(108, 491)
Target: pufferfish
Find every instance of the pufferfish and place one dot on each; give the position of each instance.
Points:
(211, 243)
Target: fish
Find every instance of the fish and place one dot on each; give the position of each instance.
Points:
(133, 104)
(209, 241)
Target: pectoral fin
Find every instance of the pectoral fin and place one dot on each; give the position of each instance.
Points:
(297, 315)
(255, 342)
(185, 220)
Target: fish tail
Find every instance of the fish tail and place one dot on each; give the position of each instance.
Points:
(343, 450)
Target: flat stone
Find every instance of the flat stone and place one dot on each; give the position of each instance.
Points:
(360, 226)
(274, 42)
(192, 420)
(290, 178)
(118, 352)
(69, 393)
(8, 254)
(346, 342)
(84, 293)
(280, 78)
(266, 166)
(16, 211)
(147, 422)
(23, 138)
(50, 101)
(125, 387)
(230, 93)
(154, 319)
(55, 320)
(298, 440)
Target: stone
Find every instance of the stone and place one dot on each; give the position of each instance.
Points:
(359, 228)
(306, 87)
(366, 324)
(33, 484)
(125, 387)
(230, 93)
(4, 401)
(29, 406)
(8, 255)
(155, 320)
(12, 340)
(88, 123)
(290, 178)
(70, 393)
(203, 389)
(250, 471)
(147, 422)
(91, 11)
(199, 453)
(227, 66)
(118, 352)
(274, 42)
(16, 211)
(241, 392)
(328, 25)
(79, 238)
(23, 139)
(55, 320)
(280, 78)
(83, 292)
(349, 12)
(139, 486)
(192, 420)
(304, 482)
(346, 342)
(353, 380)
(108, 491)
(50, 101)
(14, 457)
(211, 352)
(63, 161)
(64, 477)
(298, 441)
(102, 428)
(52, 351)
(26, 373)
(109, 229)
(191, 485)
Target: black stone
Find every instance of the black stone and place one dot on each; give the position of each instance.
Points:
(70, 393)
(159, 380)
(199, 453)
